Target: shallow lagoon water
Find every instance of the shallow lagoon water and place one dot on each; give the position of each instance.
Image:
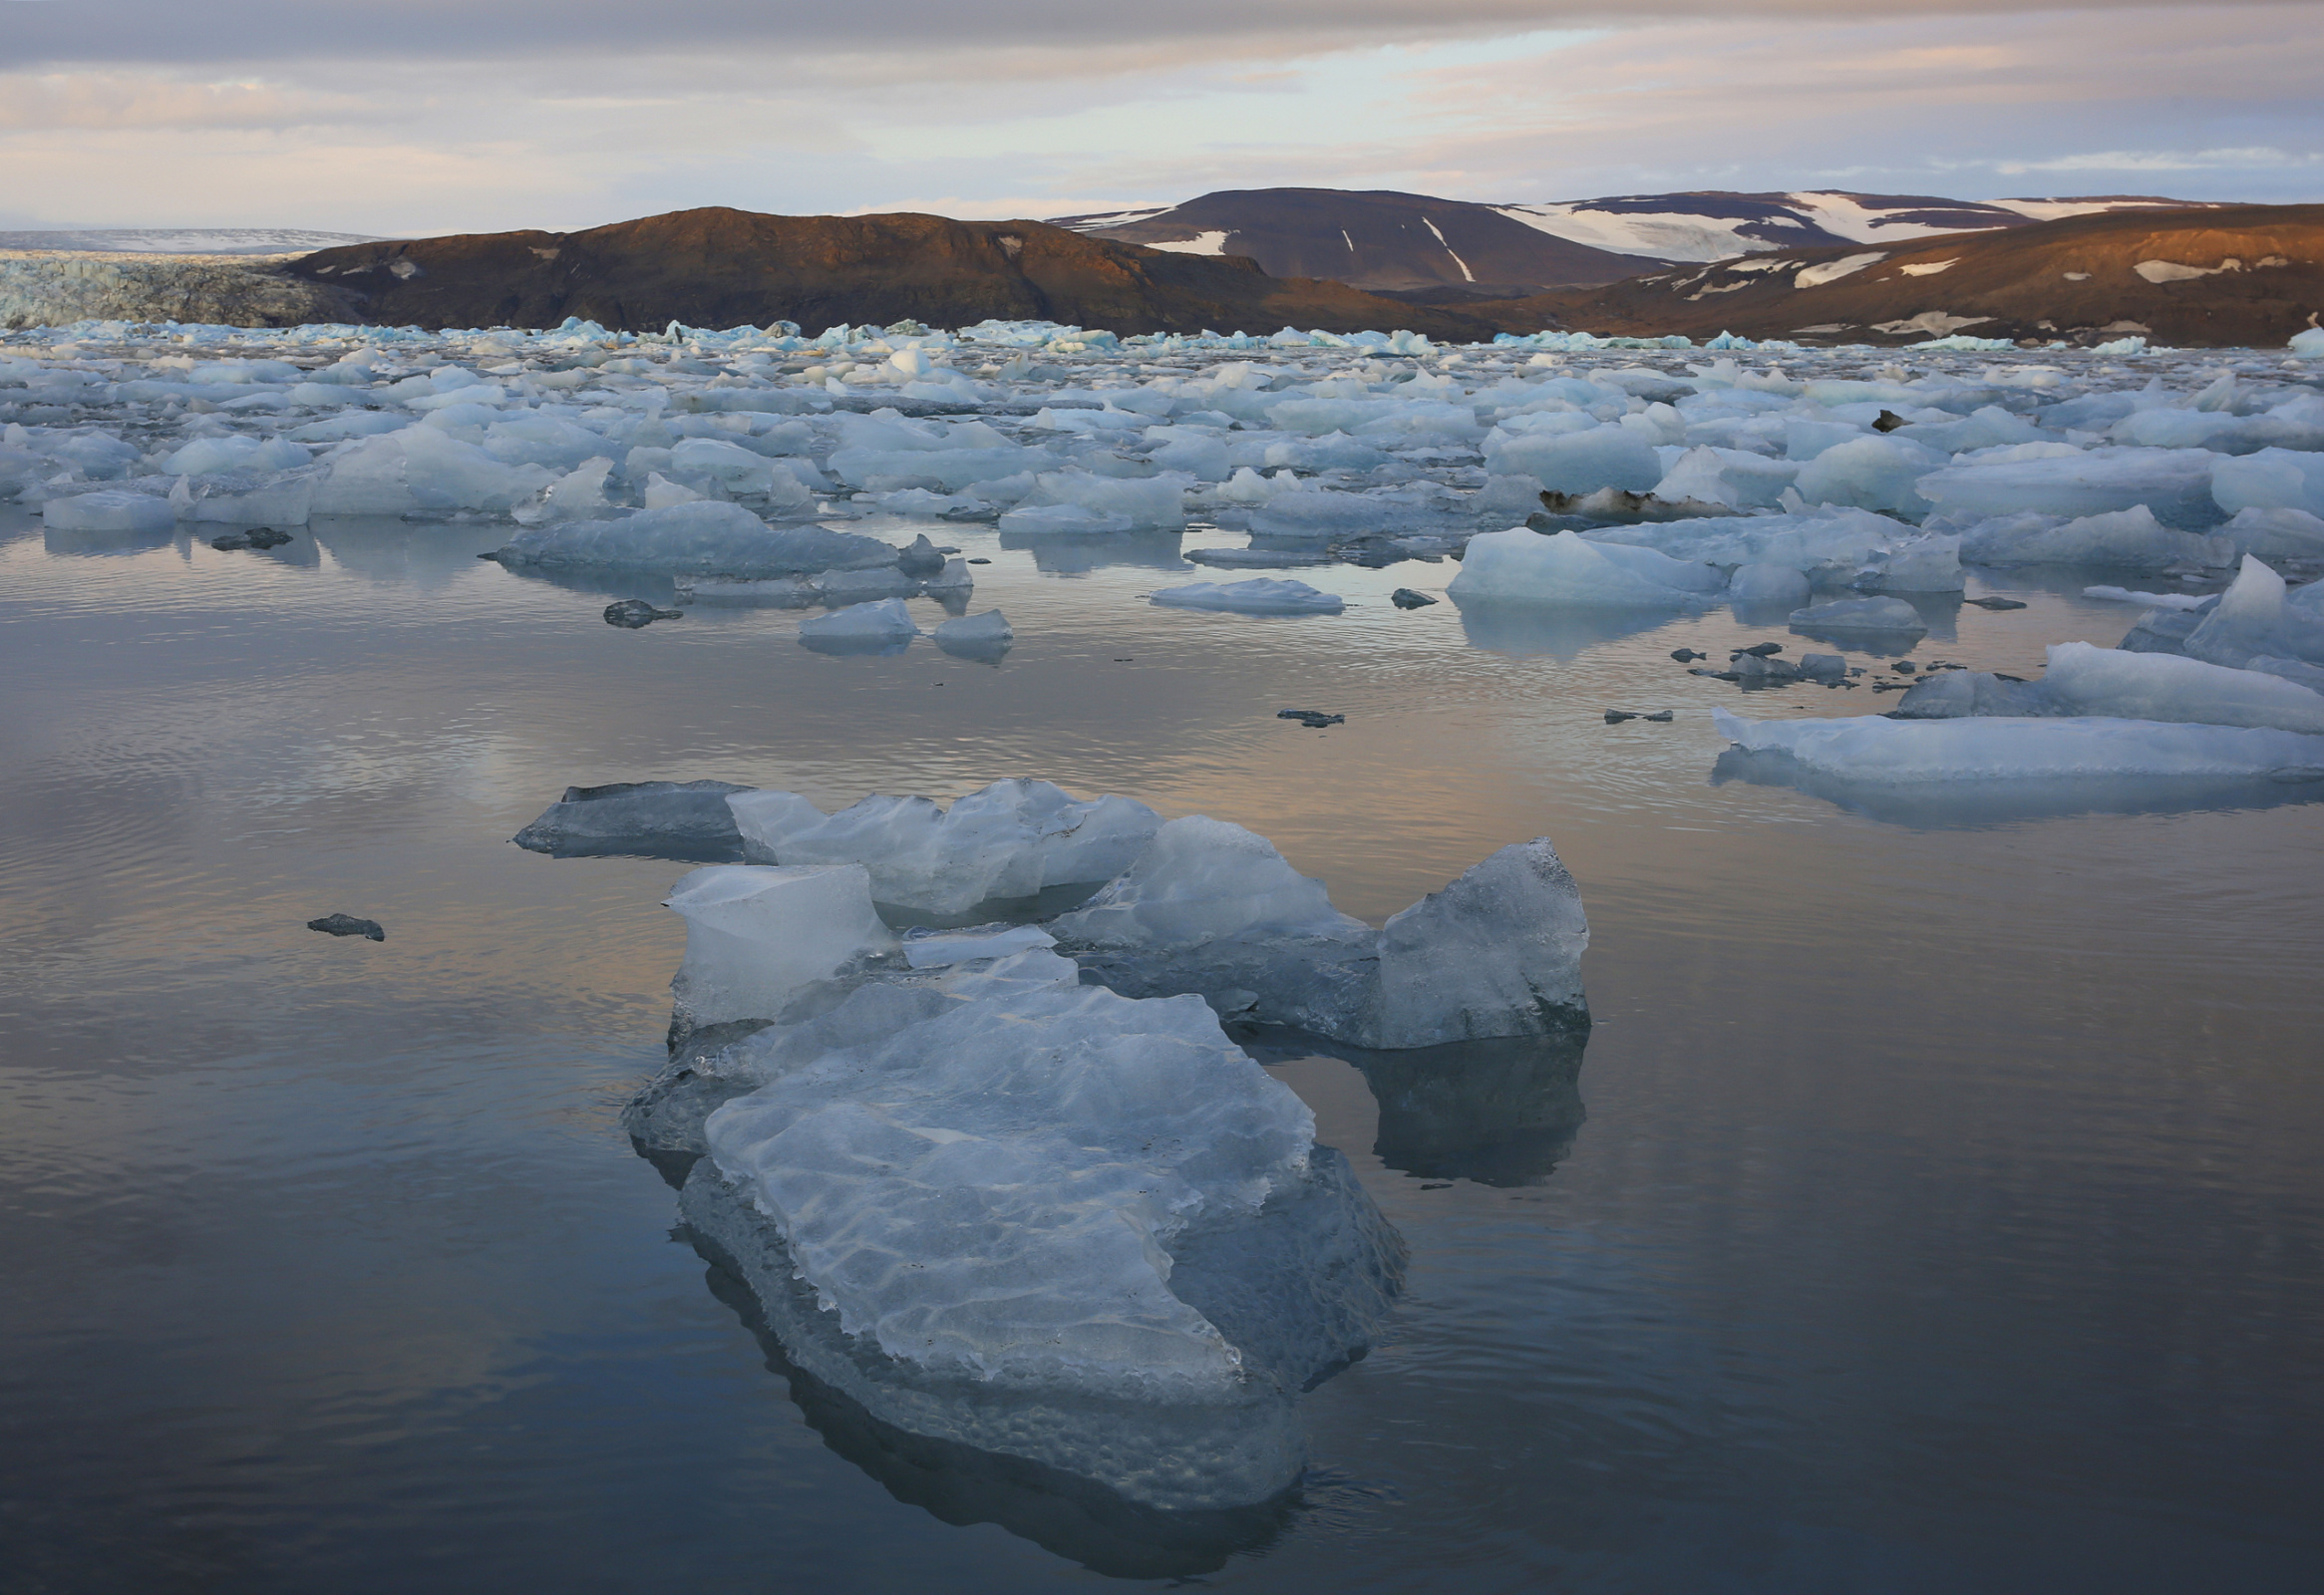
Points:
(1935, 1207)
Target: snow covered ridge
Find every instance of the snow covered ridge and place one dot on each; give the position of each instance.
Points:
(1718, 226)
(1011, 1186)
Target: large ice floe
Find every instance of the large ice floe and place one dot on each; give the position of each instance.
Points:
(1011, 1185)
(1060, 1224)
(2223, 702)
(1874, 748)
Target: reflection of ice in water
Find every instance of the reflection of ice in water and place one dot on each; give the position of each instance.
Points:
(1969, 804)
(1156, 550)
(958, 1484)
(395, 552)
(1559, 633)
(1499, 1113)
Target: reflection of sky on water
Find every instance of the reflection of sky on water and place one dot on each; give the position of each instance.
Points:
(1928, 1170)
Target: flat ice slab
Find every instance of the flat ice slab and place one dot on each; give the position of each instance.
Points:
(1564, 569)
(1874, 749)
(1058, 1224)
(1007, 840)
(705, 537)
(1257, 596)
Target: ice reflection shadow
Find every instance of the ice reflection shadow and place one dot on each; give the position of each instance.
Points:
(1560, 631)
(65, 540)
(958, 1484)
(1969, 805)
(1158, 551)
(657, 589)
(1499, 1113)
(396, 552)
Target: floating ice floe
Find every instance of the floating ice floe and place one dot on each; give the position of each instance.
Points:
(1057, 1224)
(880, 624)
(1259, 596)
(1875, 748)
(110, 510)
(2107, 683)
(967, 1104)
(1878, 619)
(985, 636)
(2129, 539)
(2259, 623)
(2174, 484)
(704, 537)
(1012, 840)
(2152, 600)
(1564, 569)
(1213, 908)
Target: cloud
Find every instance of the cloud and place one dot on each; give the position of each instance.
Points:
(251, 31)
(117, 101)
(1474, 99)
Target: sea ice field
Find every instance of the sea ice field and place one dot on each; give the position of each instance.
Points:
(1015, 959)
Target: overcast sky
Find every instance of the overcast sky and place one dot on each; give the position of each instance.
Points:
(407, 117)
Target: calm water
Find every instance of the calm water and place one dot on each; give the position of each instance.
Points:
(1937, 1206)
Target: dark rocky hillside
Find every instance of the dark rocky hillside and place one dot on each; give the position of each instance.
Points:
(718, 267)
(2235, 276)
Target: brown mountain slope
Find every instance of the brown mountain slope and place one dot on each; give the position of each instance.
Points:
(2245, 275)
(718, 267)
(1379, 240)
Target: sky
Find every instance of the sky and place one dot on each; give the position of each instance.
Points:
(420, 117)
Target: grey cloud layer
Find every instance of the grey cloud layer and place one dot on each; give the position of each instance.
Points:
(33, 35)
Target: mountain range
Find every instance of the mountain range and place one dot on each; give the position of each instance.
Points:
(1420, 248)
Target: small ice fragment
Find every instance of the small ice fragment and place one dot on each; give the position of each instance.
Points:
(983, 636)
(884, 621)
(1259, 596)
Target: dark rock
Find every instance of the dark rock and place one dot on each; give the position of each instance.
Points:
(348, 925)
(1661, 717)
(1904, 667)
(921, 560)
(1761, 670)
(684, 819)
(632, 613)
(268, 538)
(1614, 717)
(1994, 603)
(1406, 598)
(1314, 718)
(230, 541)
(980, 561)
(1889, 421)
(1762, 650)
(1686, 655)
